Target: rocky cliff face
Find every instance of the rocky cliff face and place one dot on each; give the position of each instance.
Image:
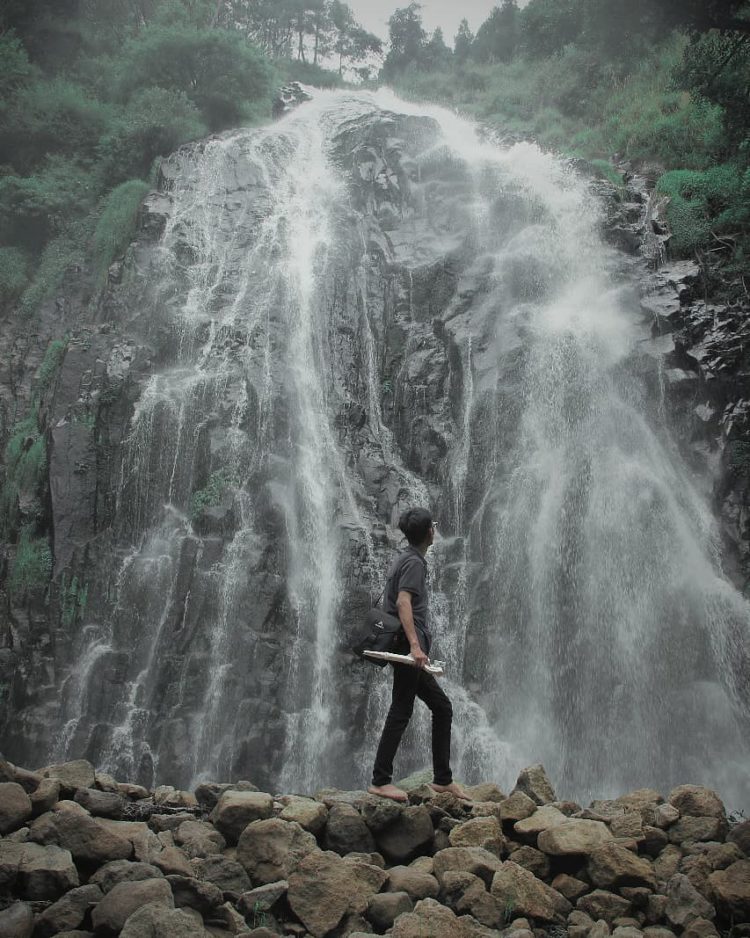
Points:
(317, 325)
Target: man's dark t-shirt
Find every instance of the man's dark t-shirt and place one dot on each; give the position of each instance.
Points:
(408, 573)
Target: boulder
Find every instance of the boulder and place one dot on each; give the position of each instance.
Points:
(665, 815)
(731, 888)
(308, 813)
(199, 839)
(157, 920)
(346, 831)
(74, 830)
(486, 791)
(15, 807)
(685, 903)
(569, 886)
(522, 894)
(574, 836)
(379, 813)
(700, 928)
(416, 883)
(323, 888)
(72, 775)
(613, 865)
(236, 809)
(696, 801)
(174, 797)
(740, 835)
(532, 860)
(169, 822)
(101, 803)
(667, 863)
(110, 915)
(429, 918)
(689, 829)
(68, 912)
(719, 856)
(45, 796)
(191, 893)
(410, 837)
(385, 907)
(599, 929)
(105, 782)
(228, 875)
(29, 781)
(541, 820)
(133, 792)
(144, 841)
(123, 871)
(479, 832)
(261, 899)
(46, 872)
(600, 904)
(270, 849)
(17, 921)
(11, 854)
(533, 782)
(466, 895)
(517, 807)
(173, 860)
(653, 840)
(474, 860)
(207, 794)
(627, 824)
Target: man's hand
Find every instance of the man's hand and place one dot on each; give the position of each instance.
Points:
(419, 656)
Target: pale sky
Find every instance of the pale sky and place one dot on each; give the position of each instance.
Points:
(373, 14)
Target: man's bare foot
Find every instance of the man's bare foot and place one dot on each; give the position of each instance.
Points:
(453, 788)
(389, 791)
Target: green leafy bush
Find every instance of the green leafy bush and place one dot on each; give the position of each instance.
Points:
(227, 79)
(53, 359)
(155, 122)
(32, 565)
(716, 201)
(25, 467)
(212, 493)
(116, 224)
(14, 273)
(35, 208)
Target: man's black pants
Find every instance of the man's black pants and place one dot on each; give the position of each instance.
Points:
(408, 683)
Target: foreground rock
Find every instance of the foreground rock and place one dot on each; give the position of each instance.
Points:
(350, 864)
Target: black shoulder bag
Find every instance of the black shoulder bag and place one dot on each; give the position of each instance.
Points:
(381, 632)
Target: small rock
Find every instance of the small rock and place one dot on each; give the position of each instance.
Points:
(157, 920)
(346, 831)
(612, 865)
(731, 887)
(105, 782)
(17, 921)
(15, 807)
(600, 904)
(415, 883)
(428, 918)
(270, 849)
(68, 912)
(236, 809)
(385, 907)
(46, 872)
(599, 929)
(168, 822)
(410, 837)
(262, 899)
(533, 860)
(697, 801)
(517, 807)
(685, 903)
(665, 815)
(533, 782)
(46, 796)
(541, 820)
(191, 893)
(487, 791)
(74, 830)
(72, 775)
(123, 871)
(574, 836)
(689, 829)
(133, 792)
(530, 896)
(110, 915)
(569, 886)
(173, 860)
(207, 794)
(228, 875)
(628, 824)
(479, 832)
(667, 863)
(101, 803)
(308, 813)
(199, 839)
(700, 928)
(627, 931)
(740, 835)
(656, 908)
(29, 781)
(474, 860)
(174, 797)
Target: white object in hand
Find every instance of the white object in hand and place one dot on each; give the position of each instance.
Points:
(434, 667)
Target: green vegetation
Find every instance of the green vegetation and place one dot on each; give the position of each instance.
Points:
(212, 493)
(31, 568)
(51, 363)
(92, 92)
(662, 82)
(73, 599)
(25, 467)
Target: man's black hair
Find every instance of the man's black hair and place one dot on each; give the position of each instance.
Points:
(415, 523)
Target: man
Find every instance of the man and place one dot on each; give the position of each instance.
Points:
(406, 597)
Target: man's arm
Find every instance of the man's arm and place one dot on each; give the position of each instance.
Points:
(406, 615)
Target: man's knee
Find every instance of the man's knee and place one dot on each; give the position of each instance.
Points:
(443, 709)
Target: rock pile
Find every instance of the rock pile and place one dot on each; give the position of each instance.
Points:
(83, 855)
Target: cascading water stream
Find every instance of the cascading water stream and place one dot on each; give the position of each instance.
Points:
(366, 308)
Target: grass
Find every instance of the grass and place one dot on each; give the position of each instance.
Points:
(117, 224)
(31, 568)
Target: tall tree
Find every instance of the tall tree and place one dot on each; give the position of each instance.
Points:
(497, 37)
(436, 53)
(407, 39)
(463, 42)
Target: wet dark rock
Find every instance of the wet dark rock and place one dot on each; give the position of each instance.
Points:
(68, 912)
(15, 807)
(101, 803)
(288, 97)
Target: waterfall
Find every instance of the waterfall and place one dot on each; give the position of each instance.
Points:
(357, 309)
